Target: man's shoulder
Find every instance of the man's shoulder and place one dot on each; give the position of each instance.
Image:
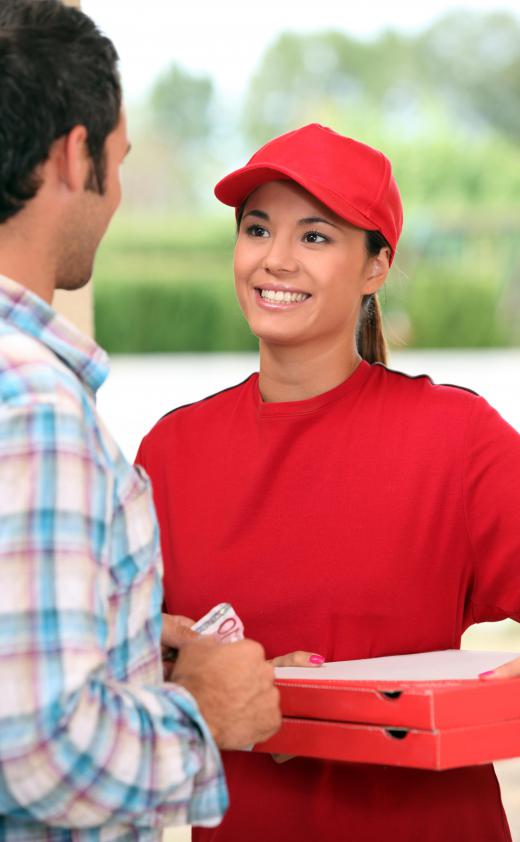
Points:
(30, 373)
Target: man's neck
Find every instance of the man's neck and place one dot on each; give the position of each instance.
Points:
(25, 259)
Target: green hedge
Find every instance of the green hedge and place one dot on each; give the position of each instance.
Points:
(155, 317)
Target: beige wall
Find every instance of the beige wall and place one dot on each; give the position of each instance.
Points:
(77, 306)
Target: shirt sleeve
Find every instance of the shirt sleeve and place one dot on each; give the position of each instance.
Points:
(79, 747)
(492, 505)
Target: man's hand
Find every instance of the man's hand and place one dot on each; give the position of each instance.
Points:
(233, 686)
(176, 630)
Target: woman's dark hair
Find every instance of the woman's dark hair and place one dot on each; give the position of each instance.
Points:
(370, 338)
(57, 71)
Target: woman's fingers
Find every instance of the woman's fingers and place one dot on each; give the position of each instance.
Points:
(176, 630)
(298, 659)
(509, 670)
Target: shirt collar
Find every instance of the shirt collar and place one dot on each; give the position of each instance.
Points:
(32, 315)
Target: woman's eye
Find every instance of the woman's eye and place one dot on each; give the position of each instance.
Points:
(314, 237)
(257, 231)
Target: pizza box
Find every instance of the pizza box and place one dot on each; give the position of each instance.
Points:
(425, 691)
(426, 711)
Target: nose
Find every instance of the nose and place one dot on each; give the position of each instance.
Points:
(279, 259)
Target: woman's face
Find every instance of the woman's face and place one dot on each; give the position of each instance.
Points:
(300, 270)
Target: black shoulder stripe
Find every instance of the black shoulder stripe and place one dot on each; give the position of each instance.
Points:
(427, 377)
(208, 398)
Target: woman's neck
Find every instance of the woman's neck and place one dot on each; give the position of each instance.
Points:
(290, 374)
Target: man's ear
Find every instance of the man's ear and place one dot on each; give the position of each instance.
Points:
(378, 268)
(70, 157)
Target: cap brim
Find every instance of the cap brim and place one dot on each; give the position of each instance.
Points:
(234, 189)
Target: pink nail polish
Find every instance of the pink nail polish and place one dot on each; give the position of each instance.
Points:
(316, 659)
(485, 674)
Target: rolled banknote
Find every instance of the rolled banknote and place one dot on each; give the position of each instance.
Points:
(222, 622)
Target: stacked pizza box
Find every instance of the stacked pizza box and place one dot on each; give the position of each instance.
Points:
(426, 710)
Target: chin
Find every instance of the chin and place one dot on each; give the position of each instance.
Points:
(281, 333)
(73, 282)
(280, 338)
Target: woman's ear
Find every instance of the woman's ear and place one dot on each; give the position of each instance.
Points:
(378, 268)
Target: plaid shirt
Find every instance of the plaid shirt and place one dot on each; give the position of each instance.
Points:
(93, 746)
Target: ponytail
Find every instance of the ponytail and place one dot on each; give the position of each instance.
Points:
(371, 342)
(370, 338)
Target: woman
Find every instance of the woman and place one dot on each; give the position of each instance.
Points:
(344, 509)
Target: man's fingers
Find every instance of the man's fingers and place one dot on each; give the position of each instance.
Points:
(298, 659)
(233, 685)
(509, 670)
(176, 631)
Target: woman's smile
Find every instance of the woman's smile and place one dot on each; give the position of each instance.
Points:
(279, 298)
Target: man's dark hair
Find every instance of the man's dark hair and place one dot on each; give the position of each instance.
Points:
(57, 71)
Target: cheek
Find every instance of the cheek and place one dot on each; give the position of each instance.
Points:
(240, 275)
(242, 266)
(342, 292)
(345, 278)
(117, 191)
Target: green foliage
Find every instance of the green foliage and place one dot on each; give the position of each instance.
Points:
(165, 285)
(157, 317)
(459, 79)
(297, 73)
(447, 310)
(182, 106)
(474, 62)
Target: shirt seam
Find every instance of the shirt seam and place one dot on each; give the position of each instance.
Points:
(470, 429)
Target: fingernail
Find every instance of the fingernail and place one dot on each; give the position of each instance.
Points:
(316, 659)
(486, 674)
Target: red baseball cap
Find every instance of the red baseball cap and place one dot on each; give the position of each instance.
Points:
(352, 179)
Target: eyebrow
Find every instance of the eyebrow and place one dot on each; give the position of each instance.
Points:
(258, 213)
(312, 220)
(308, 220)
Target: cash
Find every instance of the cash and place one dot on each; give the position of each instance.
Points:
(222, 622)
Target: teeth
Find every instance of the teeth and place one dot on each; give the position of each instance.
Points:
(288, 297)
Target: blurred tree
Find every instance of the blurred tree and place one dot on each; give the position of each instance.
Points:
(172, 136)
(304, 76)
(466, 64)
(474, 61)
(182, 107)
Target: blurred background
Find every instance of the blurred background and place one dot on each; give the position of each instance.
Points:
(435, 85)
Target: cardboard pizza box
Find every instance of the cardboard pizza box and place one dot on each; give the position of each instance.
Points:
(426, 710)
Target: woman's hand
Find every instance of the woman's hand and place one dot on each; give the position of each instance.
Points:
(509, 670)
(298, 659)
(295, 659)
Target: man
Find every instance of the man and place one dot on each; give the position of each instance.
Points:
(92, 744)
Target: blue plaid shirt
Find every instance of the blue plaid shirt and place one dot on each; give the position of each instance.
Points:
(93, 745)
